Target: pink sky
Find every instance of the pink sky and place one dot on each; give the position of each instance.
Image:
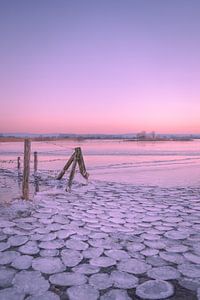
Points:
(102, 67)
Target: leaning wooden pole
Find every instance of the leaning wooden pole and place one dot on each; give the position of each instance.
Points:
(71, 176)
(26, 172)
(66, 167)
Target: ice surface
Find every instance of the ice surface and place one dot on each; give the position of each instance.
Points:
(163, 273)
(48, 265)
(103, 261)
(172, 257)
(133, 266)
(6, 277)
(30, 247)
(46, 296)
(71, 258)
(86, 269)
(190, 270)
(55, 244)
(68, 279)
(100, 281)
(22, 262)
(11, 294)
(115, 295)
(177, 248)
(4, 246)
(155, 289)
(17, 240)
(176, 235)
(156, 261)
(135, 247)
(124, 280)
(49, 252)
(92, 252)
(83, 292)
(117, 254)
(192, 257)
(149, 252)
(7, 257)
(76, 244)
(30, 282)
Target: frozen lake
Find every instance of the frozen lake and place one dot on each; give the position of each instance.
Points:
(167, 163)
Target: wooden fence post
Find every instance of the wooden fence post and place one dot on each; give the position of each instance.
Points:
(26, 173)
(18, 162)
(35, 162)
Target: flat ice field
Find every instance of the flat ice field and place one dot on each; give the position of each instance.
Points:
(103, 241)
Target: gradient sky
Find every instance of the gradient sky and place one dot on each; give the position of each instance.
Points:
(100, 66)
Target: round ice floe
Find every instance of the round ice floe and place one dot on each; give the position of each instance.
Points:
(177, 248)
(30, 282)
(54, 227)
(6, 277)
(149, 252)
(48, 265)
(192, 257)
(49, 237)
(67, 279)
(83, 292)
(155, 289)
(135, 247)
(172, 257)
(156, 261)
(150, 236)
(11, 294)
(17, 240)
(55, 244)
(100, 281)
(117, 254)
(155, 244)
(46, 296)
(76, 245)
(189, 283)
(49, 252)
(98, 235)
(124, 280)
(71, 258)
(86, 269)
(163, 273)
(4, 246)
(115, 295)
(65, 233)
(176, 235)
(30, 247)
(7, 257)
(103, 261)
(92, 252)
(190, 270)
(133, 266)
(22, 262)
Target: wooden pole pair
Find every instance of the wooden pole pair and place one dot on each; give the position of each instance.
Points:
(76, 158)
